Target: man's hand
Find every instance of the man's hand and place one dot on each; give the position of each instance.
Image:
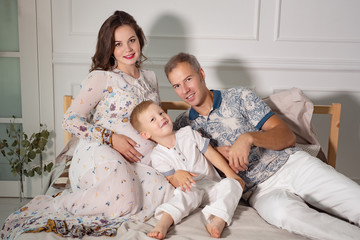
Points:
(239, 153)
(224, 150)
(182, 179)
(126, 147)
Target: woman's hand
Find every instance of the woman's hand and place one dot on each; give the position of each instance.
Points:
(182, 179)
(126, 147)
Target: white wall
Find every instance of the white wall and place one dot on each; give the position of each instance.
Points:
(266, 45)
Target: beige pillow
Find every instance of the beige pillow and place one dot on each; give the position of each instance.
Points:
(296, 110)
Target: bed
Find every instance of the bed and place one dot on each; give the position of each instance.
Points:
(292, 106)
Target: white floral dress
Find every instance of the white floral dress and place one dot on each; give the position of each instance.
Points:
(102, 181)
(106, 190)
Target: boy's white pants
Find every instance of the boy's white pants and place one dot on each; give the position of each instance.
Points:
(222, 199)
(282, 199)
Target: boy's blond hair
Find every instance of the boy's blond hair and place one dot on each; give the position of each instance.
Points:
(135, 114)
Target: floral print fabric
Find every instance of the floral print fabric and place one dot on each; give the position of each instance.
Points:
(101, 180)
(106, 189)
(236, 111)
(40, 214)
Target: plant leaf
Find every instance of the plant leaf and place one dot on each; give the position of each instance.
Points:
(49, 166)
(32, 154)
(42, 143)
(38, 170)
(25, 143)
(15, 142)
(45, 134)
(31, 173)
(22, 152)
(18, 167)
(26, 159)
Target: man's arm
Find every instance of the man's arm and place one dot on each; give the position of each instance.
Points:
(274, 134)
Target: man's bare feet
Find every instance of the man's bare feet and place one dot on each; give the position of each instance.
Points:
(161, 228)
(215, 227)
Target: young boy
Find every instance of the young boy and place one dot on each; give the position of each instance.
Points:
(185, 150)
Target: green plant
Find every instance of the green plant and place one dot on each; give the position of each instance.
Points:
(20, 150)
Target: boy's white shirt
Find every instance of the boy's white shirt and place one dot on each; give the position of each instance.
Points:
(187, 154)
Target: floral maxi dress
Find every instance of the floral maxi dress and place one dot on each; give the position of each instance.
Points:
(102, 181)
(106, 189)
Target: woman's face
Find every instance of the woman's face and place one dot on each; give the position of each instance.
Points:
(127, 47)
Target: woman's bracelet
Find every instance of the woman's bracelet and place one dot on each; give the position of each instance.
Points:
(106, 136)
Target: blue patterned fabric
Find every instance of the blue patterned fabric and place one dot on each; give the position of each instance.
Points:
(236, 111)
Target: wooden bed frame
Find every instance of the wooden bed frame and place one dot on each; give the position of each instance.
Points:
(334, 110)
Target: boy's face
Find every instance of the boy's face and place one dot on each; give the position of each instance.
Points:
(188, 84)
(155, 123)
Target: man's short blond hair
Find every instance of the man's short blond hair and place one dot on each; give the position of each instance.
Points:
(136, 112)
(180, 58)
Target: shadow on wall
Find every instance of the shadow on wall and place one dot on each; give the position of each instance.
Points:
(230, 73)
(167, 37)
(349, 134)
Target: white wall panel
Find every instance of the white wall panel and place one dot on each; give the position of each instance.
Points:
(205, 19)
(319, 20)
(265, 45)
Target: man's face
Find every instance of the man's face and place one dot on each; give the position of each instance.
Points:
(188, 84)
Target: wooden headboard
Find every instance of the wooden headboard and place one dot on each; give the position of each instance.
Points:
(334, 110)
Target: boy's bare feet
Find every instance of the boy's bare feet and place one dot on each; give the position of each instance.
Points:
(215, 227)
(161, 228)
(157, 233)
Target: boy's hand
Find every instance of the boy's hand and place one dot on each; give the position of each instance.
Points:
(239, 179)
(182, 179)
(231, 174)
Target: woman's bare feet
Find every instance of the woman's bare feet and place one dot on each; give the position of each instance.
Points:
(161, 228)
(215, 227)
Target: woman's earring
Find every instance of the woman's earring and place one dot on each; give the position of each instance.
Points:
(114, 60)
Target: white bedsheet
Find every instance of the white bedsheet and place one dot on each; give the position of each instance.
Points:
(247, 224)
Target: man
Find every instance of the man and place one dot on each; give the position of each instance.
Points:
(281, 180)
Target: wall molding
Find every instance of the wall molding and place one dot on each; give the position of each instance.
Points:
(257, 63)
(278, 37)
(71, 58)
(318, 89)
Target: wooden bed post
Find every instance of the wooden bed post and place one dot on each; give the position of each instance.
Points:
(67, 102)
(335, 111)
(334, 133)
